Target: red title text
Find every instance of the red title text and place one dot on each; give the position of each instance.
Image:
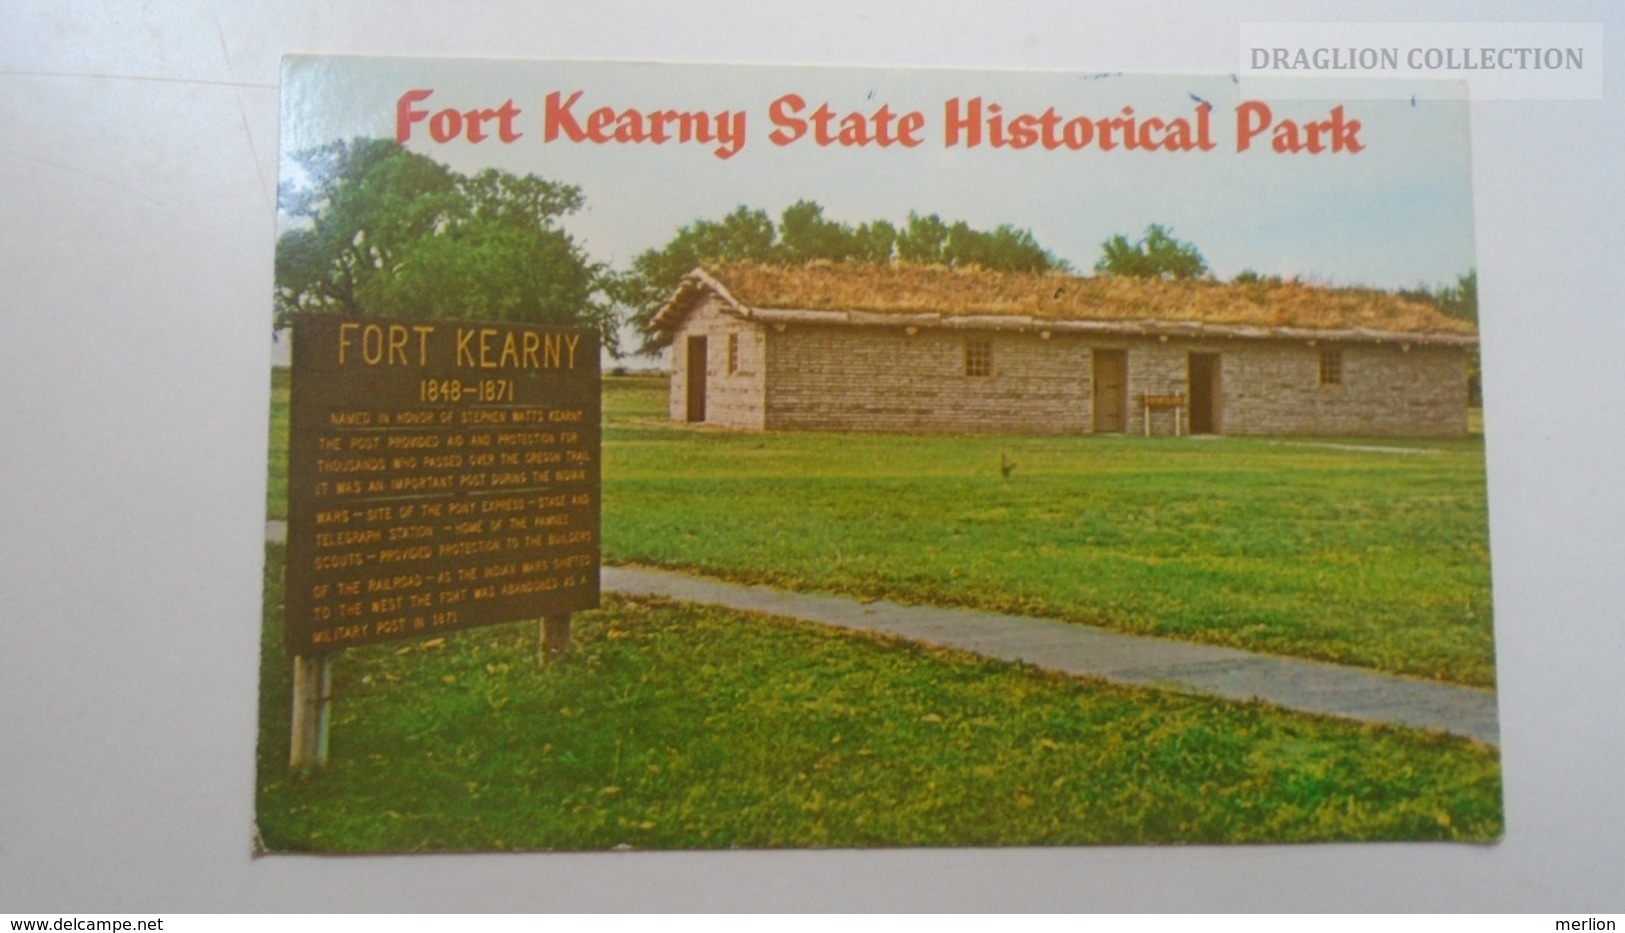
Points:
(572, 118)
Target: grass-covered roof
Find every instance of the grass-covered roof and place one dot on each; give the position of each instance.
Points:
(1039, 299)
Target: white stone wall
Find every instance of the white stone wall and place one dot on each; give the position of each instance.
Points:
(1273, 388)
(734, 399)
(882, 379)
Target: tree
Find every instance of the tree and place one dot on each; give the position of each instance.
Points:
(1157, 255)
(1005, 249)
(876, 242)
(806, 236)
(803, 235)
(362, 202)
(388, 232)
(1461, 300)
(743, 236)
(924, 240)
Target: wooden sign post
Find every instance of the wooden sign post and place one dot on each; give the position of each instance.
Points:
(555, 640)
(442, 475)
(1174, 402)
(312, 689)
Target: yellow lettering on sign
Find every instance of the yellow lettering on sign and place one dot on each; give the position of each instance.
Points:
(491, 348)
(383, 344)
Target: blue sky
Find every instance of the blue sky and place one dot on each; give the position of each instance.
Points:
(1395, 214)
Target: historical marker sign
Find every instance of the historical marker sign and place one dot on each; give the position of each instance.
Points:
(442, 475)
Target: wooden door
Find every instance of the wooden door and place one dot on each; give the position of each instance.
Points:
(696, 378)
(1204, 395)
(1110, 387)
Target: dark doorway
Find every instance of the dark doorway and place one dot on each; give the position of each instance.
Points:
(1110, 386)
(1204, 385)
(696, 378)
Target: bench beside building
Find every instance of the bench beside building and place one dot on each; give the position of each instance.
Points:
(900, 348)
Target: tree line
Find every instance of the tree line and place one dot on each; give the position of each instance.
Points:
(803, 234)
(389, 232)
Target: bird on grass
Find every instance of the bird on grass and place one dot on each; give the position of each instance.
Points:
(1006, 465)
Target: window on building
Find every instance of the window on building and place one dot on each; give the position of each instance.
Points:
(978, 357)
(1331, 367)
(733, 354)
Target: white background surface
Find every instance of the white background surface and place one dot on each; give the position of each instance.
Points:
(137, 189)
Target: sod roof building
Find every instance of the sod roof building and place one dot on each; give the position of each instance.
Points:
(853, 347)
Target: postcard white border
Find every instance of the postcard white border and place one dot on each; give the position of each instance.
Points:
(140, 165)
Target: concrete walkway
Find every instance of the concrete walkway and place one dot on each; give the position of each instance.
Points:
(1309, 686)
(1070, 648)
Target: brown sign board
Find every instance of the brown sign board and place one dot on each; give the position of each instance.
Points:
(442, 475)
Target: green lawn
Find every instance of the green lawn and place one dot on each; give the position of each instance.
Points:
(675, 726)
(678, 727)
(276, 487)
(1371, 559)
(1366, 558)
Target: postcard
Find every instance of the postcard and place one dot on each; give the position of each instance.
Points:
(686, 457)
